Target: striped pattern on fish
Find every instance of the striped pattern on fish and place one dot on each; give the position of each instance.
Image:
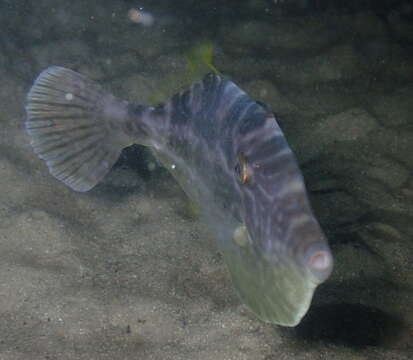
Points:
(228, 154)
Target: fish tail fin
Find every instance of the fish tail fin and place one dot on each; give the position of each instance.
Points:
(75, 127)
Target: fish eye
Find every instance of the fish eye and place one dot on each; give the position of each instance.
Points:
(242, 169)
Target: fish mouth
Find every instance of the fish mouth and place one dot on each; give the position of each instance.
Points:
(319, 261)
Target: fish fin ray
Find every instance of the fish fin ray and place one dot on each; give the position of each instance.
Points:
(75, 127)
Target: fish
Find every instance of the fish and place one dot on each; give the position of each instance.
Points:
(201, 56)
(228, 154)
(198, 61)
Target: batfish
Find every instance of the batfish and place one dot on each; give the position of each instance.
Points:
(229, 155)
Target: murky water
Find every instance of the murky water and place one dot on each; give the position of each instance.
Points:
(127, 271)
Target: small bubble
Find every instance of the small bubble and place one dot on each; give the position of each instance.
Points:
(69, 96)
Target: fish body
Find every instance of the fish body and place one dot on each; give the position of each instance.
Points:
(229, 156)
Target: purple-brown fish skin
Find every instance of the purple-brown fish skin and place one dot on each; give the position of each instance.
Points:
(228, 154)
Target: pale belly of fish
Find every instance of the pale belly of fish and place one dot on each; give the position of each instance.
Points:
(228, 154)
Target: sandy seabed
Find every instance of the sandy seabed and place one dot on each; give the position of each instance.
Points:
(126, 271)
